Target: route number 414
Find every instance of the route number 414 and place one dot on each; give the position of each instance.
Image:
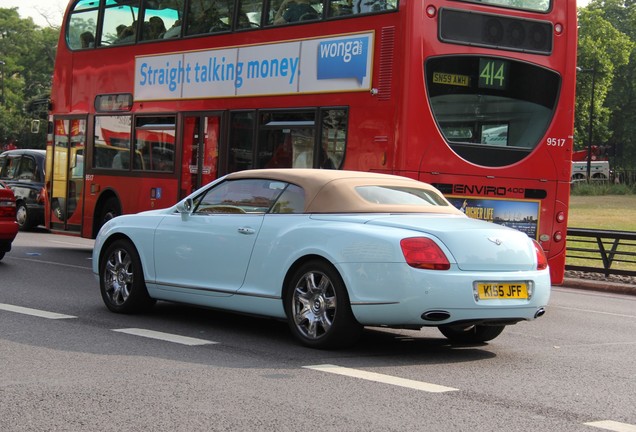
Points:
(556, 142)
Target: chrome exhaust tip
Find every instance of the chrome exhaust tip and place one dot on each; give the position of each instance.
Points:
(436, 315)
(539, 313)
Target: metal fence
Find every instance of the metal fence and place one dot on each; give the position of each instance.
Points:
(601, 251)
(621, 176)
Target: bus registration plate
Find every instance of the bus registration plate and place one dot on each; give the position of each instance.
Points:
(502, 290)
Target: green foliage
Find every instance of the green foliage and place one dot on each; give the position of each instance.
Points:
(614, 122)
(28, 53)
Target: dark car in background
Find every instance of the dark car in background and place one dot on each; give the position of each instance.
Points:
(8, 225)
(23, 171)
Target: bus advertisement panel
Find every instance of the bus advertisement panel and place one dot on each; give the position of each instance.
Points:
(335, 64)
(474, 97)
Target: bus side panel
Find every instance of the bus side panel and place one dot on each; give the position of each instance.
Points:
(140, 194)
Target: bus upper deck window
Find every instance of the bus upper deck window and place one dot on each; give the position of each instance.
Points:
(161, 20)
(290, 11)
(249, 14)
(120, 22)
(530, 5)
(80, 34)
(214, 17)
(362, 6)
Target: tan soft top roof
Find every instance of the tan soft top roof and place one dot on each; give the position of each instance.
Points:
(333, 191)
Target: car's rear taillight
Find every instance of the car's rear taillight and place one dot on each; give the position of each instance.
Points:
(41, 195)
(424, 253)
(542, 260)
(7, 208)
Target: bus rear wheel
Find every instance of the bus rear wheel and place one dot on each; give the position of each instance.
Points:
(111, 209)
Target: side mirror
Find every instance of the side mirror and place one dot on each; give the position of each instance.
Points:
(185, 208)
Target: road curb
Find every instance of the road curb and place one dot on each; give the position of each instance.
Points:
(599, 285)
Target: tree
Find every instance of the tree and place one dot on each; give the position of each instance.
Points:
(621, 99)
(28, 53)
(606, 53)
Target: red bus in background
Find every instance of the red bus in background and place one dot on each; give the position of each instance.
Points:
(151, 100)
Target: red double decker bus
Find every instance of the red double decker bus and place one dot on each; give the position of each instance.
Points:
(152, 99)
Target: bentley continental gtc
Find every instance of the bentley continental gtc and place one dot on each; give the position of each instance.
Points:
(329, 252)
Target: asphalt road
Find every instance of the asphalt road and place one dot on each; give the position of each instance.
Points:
(68, 364)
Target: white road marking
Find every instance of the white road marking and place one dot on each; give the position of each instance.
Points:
(48, 262)
(184, 340)
(34, 312)
(386, 379)
(613, 426)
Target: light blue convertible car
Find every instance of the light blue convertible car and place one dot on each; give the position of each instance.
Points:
(330, 252)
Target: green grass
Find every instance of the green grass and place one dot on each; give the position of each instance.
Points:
(614, 212)
(611, 212)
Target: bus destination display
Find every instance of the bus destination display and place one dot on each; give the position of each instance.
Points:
(493, 74)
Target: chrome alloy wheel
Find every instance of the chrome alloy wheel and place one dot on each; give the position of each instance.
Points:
(121, 279)
(118, 276)
(314, 305)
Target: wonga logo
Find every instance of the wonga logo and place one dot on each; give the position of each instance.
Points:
(343, 58)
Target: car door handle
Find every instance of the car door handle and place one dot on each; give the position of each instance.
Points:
(246, 230)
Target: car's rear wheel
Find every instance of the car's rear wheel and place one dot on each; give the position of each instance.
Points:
(471, 333)
(318, 309)
(121, 279)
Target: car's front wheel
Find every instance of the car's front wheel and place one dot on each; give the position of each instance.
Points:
(471, 333)
(318, 309)
(121, 279)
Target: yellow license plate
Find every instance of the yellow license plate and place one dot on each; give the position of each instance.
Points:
(502, 290)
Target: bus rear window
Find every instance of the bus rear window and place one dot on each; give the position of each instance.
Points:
(485, 108)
